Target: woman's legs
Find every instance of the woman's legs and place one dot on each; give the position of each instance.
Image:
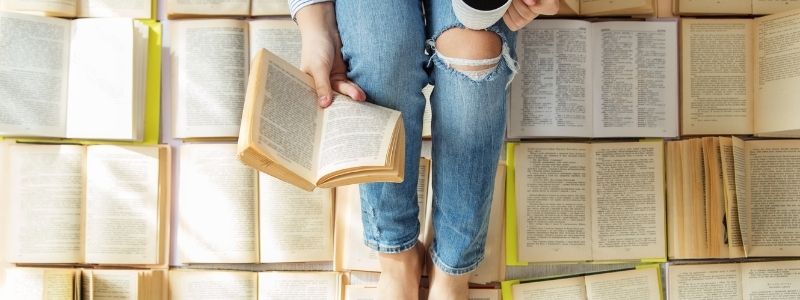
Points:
(383, 45)
(472, 69)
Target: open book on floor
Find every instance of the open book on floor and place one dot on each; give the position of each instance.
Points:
(140, 9)
(285, 133)
(735, 281)
(69, 205)
(603, 79)
(69, 284)
(256, 217)
(243, 285)
(574, 202)
(740, 76)
(80, 79)
(210, 59)
(731, 198)
(644, 283)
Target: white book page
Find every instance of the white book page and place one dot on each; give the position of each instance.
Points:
(208, 7)
(62, 8)
(354, 134)
(209, 77)
(628, 202)
(298, 285)
(290, 120)
(279, 36)
(553, 211)
(771, 280)
(140, 9)
(777, 73)
(195, 284)
(46, 213)
(122, 205)
(551, 94)
(33, 68)
(636, 79)
(218, 216)
(269, 7)
(294, 225)
(773, 178)
(705, 282)
(31, 283)
(634, 284)
(100, 102)
(560, 289)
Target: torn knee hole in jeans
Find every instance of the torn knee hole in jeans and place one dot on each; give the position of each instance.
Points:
(476, 69)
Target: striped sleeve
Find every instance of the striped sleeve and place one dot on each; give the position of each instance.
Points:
(296, 5)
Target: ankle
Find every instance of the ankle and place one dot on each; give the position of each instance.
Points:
(444, 286)
(400, 273)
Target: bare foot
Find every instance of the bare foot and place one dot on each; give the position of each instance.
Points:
(400, 273)
(444, 286)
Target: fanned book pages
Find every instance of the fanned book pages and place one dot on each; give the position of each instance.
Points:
(588, 202)
(596, 8)
(242, 285)
(640, 284)
(140, 9)
(733, 7)
(740, 76)
(123, 284)
(285, 133)
(244, 8)
(74, 284)
(83, 79)
(606, 79)
(735, 281)
(257, 218)
(731, 198)
(210, 60)
(101, 204)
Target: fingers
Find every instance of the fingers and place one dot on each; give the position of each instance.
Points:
(322, 84)
(545, 7)
(350, 89)
(519, 15)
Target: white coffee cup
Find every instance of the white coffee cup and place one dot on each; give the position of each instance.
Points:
(478, 19)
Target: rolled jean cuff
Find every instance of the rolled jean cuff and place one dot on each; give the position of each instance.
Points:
(391, 249)
(454, 271)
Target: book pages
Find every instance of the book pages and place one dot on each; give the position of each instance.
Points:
(717, 76)
(209, 77)
(36, 66)
(122, 205)
(46, 204)
(215, 185)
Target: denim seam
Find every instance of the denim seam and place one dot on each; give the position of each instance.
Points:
(382, 248)
(451, 270)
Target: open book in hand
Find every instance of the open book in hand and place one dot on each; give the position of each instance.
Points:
(286, 134)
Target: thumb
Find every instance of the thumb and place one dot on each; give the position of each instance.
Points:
(322, 84)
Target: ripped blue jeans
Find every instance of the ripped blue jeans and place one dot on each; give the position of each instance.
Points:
(384, 45)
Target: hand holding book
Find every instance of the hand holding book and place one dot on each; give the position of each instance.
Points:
(285, 133)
